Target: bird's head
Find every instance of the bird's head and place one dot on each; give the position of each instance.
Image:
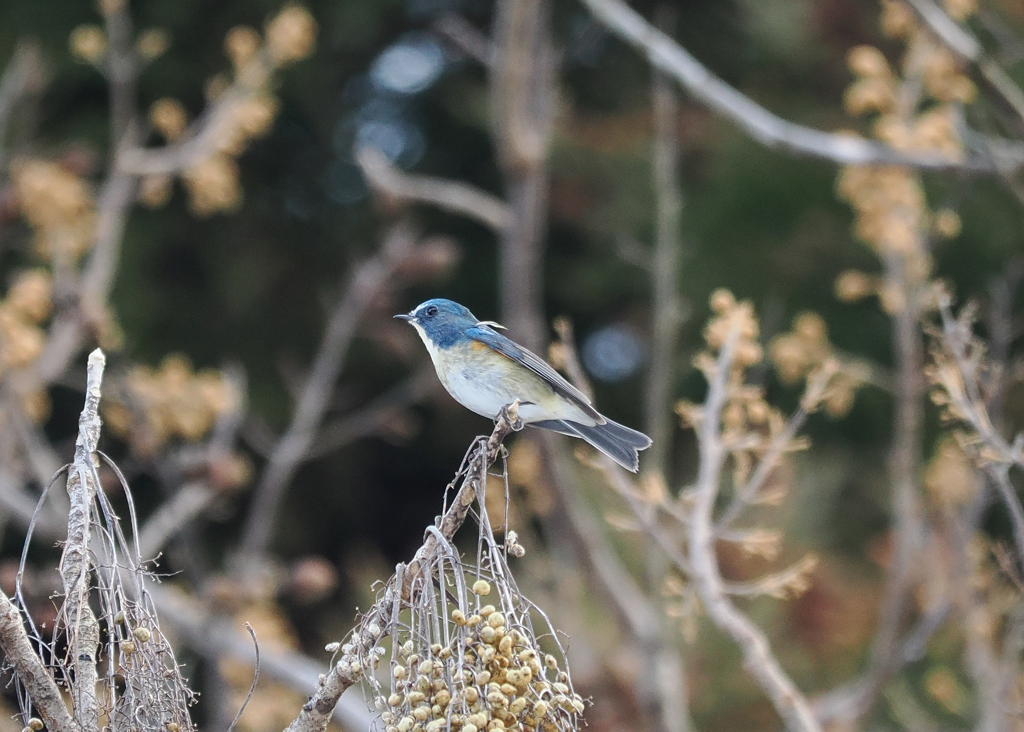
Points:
(440, 322)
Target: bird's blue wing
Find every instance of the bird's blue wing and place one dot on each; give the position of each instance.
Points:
(510, 349)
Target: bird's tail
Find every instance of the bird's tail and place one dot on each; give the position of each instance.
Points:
(617, 441)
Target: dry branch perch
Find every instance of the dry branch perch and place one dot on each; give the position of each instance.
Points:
(82, 627)
(317, 712)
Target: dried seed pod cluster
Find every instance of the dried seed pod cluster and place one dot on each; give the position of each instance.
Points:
(464, 653)
(491, 675)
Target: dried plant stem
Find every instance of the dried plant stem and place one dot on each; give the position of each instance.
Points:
(20, 654)
(766, 127)
(364, 285)
(970, 404)
(316, 713)
(82, 627)
(788, 700)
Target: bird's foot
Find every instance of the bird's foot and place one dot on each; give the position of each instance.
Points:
(509, 414)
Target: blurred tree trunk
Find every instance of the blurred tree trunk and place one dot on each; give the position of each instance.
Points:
(522, 99)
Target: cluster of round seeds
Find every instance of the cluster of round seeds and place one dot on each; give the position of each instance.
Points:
(490, 676)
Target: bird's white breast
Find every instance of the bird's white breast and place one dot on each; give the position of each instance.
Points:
(484, 381)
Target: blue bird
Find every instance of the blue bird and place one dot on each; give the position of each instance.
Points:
(485, 371)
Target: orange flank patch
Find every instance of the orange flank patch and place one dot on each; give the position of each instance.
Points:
(484, 350)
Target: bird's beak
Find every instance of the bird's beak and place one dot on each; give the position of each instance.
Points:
(405, 316)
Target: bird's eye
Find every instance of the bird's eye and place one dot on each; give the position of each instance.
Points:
(430, 312)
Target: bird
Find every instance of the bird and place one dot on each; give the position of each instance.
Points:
(485, 371)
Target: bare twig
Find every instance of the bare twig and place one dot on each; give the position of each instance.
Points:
(453, 196)
(22, 506)
(364, 285)
(255, 678)
(121, 65)
(853, 699)
(637, 613)
(647, 518)
(83, 629)
(71, 327)
(346, 672)
(762, 125)
(629, 602)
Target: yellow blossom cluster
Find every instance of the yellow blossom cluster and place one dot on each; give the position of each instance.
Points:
(26, 307)
(950, 476)
(490, 677)
(804, 351)
(243, 110)
(173, 401)
(59, 206)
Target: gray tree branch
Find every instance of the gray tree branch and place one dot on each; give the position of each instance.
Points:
(766, 127)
